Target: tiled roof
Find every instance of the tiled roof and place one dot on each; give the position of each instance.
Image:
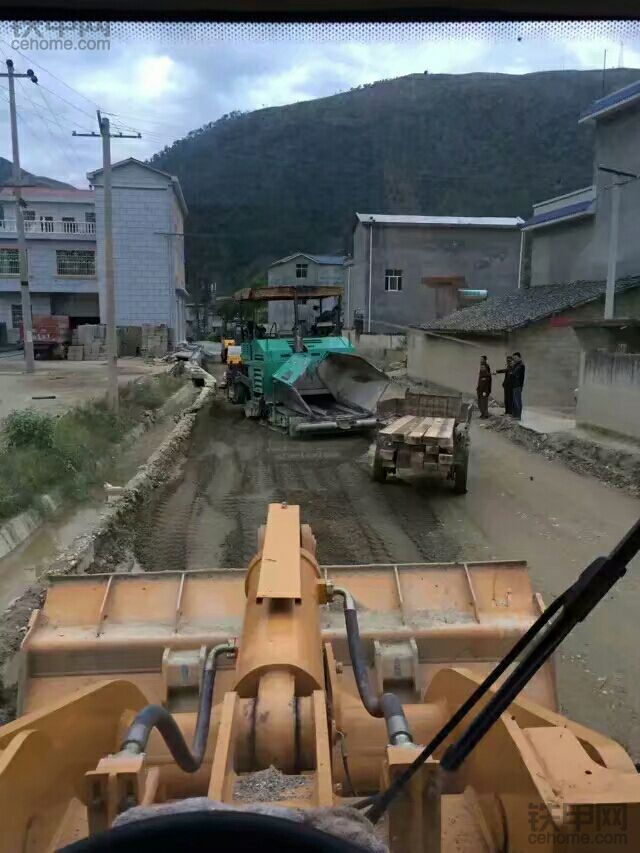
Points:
(615, 101)
(577, 210)
(522, 307)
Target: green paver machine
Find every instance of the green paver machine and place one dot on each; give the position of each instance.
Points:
(302, 384)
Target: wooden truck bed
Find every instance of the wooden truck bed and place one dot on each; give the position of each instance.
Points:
(414, 429)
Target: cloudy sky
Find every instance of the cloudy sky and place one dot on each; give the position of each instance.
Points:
(166, 80)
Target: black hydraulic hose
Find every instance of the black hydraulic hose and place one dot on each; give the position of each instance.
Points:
(388, 705)
(382, 801)
(571, 607)
(155, 716)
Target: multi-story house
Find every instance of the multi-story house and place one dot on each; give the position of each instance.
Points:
(300, 269)
(65, 251)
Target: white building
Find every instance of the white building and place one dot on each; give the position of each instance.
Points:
(65, 251)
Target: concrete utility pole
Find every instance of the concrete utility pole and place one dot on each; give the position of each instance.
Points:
(371, 222)
(109, 283)
(612, 260)
(27, 321)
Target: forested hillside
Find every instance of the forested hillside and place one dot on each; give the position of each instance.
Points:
(264, 184)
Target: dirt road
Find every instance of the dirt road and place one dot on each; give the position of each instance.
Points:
(57, 385)
(519, 506)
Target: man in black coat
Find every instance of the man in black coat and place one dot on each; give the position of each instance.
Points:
(484, 387)
(517, 384)
(506, 384)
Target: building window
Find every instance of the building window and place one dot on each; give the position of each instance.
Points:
(69, 225)
(16, 315)
(9, 262)
(46, 224)
(75, 262)
(393, 280)
(301, 270)
(29, 218)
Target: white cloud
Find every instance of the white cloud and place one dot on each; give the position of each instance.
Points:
(165, 86)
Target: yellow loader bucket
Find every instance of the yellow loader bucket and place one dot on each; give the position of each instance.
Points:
(426, 616)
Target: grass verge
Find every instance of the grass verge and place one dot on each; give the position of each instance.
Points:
(40, 452)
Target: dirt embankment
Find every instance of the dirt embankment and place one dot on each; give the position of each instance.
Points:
(614, 466)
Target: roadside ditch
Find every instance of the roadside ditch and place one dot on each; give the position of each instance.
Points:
(104, 536)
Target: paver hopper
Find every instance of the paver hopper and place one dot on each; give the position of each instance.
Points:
(326, 678)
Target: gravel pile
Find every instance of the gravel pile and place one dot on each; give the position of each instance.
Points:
(270, 786)
(613, 466)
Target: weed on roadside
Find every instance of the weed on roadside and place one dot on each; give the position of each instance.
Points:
(40, 452)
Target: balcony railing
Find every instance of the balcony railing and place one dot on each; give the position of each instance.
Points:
(49, 227)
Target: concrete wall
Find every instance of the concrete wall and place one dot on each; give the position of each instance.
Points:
(453, 362)
(572, 251)
(617, 145)
(609, 396)
(562, 253)
(486, 258)
(43, 276)
(285, 274)
(57, 209)
(316, 273)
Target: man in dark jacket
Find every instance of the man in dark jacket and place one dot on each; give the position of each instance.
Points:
(506, 384)
(484, 387)
(517, 384)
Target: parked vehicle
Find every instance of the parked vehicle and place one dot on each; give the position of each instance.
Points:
(51, 335)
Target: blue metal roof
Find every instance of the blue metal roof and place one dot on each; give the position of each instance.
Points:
(329, 259)
(569, 211)
(616, 100)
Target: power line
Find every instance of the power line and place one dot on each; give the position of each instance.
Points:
(75, 91)
(50, 73)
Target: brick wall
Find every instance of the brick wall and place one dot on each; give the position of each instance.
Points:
(453, 363)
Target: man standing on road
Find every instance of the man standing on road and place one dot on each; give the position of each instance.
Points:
(517, 383)
(484, 387)
(507, 384)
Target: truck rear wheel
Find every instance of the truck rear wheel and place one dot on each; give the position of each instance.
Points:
(378, 471)
(460, 477)
(238, 393)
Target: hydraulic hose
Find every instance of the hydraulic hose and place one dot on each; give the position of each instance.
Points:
(388, 705)
(155, 716)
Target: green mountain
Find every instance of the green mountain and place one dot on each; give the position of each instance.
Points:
(261, 185)
(28, 180)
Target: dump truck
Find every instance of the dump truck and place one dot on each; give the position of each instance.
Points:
(51, 335)
(427, 433)
(304, 385)
(293, 706)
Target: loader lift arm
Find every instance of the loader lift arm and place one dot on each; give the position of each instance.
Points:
(569, 608)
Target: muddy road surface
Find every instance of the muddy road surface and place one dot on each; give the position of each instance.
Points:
(210, 514)
(520, 506)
